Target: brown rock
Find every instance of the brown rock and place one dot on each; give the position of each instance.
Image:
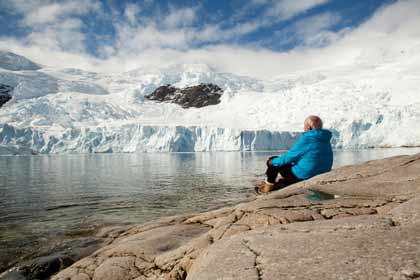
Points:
(370, 231)
(195, 96)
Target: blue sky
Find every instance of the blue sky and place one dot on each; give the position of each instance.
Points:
(87, 32)
(275, 25)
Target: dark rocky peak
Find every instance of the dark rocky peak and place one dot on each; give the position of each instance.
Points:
(14, 62)
(195, 96)
(5, 94)
(163, 93)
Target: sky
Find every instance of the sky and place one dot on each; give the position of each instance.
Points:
(254, 37)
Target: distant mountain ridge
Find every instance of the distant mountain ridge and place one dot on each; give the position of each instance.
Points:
(13, 62)
(70, 110)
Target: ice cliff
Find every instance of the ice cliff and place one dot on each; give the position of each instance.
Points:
(71, 110)
(144, 138)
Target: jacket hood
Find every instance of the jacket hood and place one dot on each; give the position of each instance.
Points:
(319, 134)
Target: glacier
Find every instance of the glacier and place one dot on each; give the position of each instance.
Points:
(140, 138)
(52, 110)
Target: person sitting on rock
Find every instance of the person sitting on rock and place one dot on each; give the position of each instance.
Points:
(310, 156)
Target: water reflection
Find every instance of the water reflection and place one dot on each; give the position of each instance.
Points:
(44, 196)
(348, 157)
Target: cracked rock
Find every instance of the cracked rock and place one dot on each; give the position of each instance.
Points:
(370, 231)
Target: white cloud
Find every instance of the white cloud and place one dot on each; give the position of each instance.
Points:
(65, 35)
(45, 14)
(401, 17)
(153, 35)
(214, 33)
(393, 28)
(179, 17)
(37, 12)
(259, 2)
(275, 11)
(140, 38)
(131, 12)
(50, 22)
(21, 6)
(44, 55)
(285, 9)
(313, 25)
(281, 10)
(310, 32)
(54, 25)
(170, 29)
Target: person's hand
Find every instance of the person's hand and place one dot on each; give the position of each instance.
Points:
(269, 164)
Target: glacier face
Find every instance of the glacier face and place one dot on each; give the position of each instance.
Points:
(71, 110)
(140, 138)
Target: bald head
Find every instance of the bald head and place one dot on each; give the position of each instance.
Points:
(312, 122)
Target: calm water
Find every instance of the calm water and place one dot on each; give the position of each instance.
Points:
(46, 197)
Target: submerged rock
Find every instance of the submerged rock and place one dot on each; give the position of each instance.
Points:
(44, 267)
(366, 229)
(45, 259)
(195, 96)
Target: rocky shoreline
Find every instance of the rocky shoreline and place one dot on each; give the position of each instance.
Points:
(369, 230)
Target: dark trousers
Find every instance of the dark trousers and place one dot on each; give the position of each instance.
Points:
(286, 173)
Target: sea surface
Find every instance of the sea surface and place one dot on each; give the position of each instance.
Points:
(47, 199)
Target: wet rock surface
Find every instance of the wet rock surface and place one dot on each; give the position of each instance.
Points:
(43, 267)
(5, 95)
(45, 260)
(195, 96)
(368, 231)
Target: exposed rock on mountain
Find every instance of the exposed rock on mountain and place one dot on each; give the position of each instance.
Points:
(368, 231)
(5, 94)
(195, 96)
(364, 106)
(14, 62)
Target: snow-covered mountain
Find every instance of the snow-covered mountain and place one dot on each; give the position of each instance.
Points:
(375, 104)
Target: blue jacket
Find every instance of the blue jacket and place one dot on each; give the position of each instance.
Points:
(310, 156)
